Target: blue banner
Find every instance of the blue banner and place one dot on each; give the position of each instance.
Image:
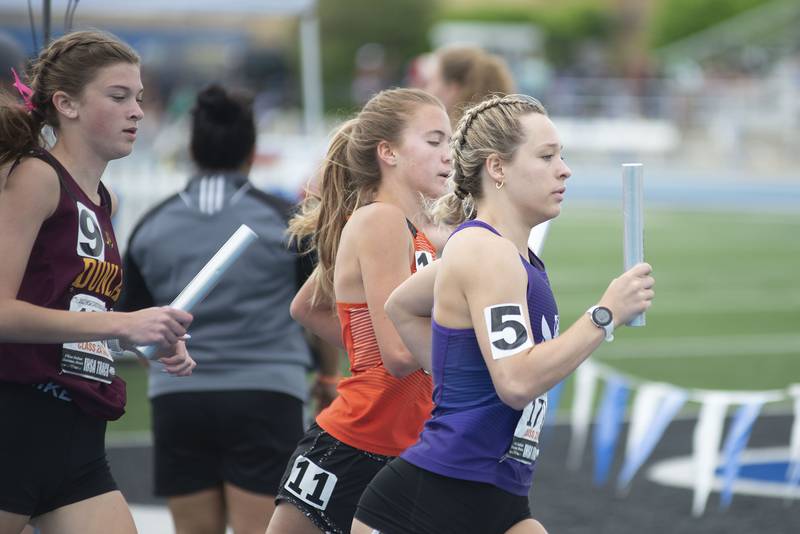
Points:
(553, 398)
(666, 406)
(609, 419)
(735, 442)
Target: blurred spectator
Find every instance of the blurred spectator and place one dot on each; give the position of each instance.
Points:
(370, 75)
(462, 76)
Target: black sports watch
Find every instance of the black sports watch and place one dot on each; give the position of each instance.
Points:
(602, 318)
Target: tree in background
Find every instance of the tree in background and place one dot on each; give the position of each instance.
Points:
(569, 28)
(675, 19)
(605, 38)
(399, 28)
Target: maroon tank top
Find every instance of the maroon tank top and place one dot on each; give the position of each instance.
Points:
(74, 264)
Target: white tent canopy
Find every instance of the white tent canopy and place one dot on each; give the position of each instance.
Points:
(247, 7)
(178, 7)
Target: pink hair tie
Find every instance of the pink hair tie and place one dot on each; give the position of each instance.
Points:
(24, 91)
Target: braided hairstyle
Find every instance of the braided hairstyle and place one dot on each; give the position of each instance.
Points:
(491, 127)
(67, 64)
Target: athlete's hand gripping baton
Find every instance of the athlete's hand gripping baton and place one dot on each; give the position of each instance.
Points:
(633, 221)
(204, 281)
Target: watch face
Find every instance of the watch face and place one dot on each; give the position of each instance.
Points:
(602, 316)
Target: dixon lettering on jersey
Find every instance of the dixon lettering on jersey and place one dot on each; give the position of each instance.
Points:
(100, 277)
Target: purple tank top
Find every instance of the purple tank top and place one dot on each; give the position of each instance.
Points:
(472, 434)
(74, 264)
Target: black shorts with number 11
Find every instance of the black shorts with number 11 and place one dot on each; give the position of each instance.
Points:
(325, 479)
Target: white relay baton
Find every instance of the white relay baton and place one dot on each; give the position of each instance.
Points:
(537, 237)
(204, 281)
(633, 221)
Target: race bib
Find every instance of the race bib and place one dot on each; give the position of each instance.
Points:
(525, 443)
(88, 359)
(90, 235)
(310, 483)
(507, 332)
(422, 258)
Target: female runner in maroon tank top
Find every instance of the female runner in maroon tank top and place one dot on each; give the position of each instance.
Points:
(57, 381)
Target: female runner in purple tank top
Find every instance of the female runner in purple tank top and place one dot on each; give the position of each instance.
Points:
(57, 381)
(494, 349)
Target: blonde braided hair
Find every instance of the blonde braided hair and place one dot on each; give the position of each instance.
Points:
(490, 127)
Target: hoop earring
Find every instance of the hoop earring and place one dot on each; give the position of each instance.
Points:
(499, 185)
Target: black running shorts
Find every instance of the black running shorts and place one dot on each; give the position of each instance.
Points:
(51, 453)
(404, 499)
(207, 438)
(325, 478)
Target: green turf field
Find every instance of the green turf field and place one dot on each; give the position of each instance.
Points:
(727, 308)
(137, 411)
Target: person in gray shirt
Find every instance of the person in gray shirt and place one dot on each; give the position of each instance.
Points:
(223, 437)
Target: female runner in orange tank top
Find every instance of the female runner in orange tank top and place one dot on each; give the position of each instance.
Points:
(380, 167)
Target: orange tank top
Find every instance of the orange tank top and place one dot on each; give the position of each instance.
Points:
(375, 411)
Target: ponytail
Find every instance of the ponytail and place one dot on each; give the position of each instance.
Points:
(350, 177)
(19, 129)
(323, 214)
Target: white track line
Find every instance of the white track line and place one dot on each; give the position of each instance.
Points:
(151, 519)
(702, 346)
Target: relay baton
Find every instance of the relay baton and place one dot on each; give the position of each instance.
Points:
(204, 281)
(537, 236)
(633, 221)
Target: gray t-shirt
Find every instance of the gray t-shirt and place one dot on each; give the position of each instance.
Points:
(242, 336)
